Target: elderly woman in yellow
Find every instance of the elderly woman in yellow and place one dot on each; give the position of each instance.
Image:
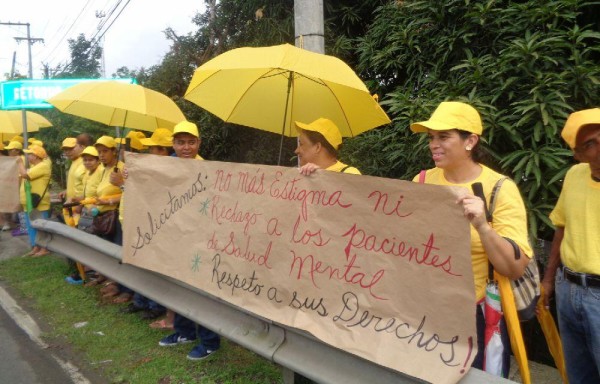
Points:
(38, 175)
(318, 145)
(454, 132)
(108, 194)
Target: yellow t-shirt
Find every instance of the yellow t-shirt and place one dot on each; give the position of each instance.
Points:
(510, 218)
(39, 176)
(90, 182)
(341, 167)
(75, 178)
(578, 211)
(105, 188)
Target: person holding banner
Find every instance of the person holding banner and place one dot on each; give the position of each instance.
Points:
(454, 131)
(575, 251)
(318, 145)
(39, 175)
(186, 143)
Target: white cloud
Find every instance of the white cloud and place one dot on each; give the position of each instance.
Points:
(134, 40)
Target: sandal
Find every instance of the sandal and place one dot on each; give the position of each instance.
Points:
(109, 287)
(40, 253)
(161, 324)
(95, 281)
(124, 297)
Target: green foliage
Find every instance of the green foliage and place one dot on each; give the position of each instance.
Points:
(525, 65)
(85, 60)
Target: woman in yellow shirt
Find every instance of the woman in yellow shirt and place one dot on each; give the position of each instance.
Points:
(38, 174)
(454, 131)
(108, 195)
(318, 145)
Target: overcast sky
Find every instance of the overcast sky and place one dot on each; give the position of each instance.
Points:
(134, 40)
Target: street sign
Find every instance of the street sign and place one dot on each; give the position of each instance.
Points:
(24, 94)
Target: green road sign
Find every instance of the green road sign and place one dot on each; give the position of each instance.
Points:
(24, 94)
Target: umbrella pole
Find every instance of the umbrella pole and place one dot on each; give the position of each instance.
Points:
(287, 100)
(28, 203)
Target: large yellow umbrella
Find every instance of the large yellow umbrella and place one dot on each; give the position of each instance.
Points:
(119, 104)
(11, 122)
(271, 87)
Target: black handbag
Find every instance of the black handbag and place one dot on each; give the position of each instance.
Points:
(105, 223)
(36, 199)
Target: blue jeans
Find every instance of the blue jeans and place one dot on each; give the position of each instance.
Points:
(578, 309)
(36, 215)
(187, 328)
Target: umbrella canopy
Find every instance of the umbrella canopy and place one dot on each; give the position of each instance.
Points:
(11, 122)
(271, 87)
(119, 104)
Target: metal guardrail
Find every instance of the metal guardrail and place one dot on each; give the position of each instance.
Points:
(292, 349)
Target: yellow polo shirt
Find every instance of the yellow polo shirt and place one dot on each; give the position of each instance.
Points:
(39, 176)
(75, 178)
(105, 188)
(578, 212)
(341, 167)
(510, 218)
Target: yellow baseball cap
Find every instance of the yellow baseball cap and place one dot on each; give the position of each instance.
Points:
(186, 127)
(107, 141)
(135, 140)
(325, 127)
(578, 120)
(17, 138)
(37, 150)
(451, 115)
(92, 151)
(37, 142)
(69, 142)
(14, 145)
(161, 137)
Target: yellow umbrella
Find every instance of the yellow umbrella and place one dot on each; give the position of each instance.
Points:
(271, 87)
(11, 123)
(119, 104)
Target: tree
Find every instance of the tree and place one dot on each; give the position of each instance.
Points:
(85, 60)
(525, 65)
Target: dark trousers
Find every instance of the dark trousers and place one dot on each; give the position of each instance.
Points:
(188, 329)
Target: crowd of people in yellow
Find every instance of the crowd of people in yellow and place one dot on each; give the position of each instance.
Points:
(97, 178)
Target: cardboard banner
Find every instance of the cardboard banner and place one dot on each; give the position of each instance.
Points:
(9, 184)
(377, 267)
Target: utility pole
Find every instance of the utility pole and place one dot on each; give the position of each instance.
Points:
(309, 25)
(30, 41)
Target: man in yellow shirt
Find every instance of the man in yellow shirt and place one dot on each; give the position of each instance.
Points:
(72, 151)
(574, 266)
(186, 143)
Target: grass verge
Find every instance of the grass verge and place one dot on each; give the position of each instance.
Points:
(117, 347)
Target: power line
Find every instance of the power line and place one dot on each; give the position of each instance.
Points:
(95, 41)
(68, 30)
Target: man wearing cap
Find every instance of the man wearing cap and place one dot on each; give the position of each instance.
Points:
(186, 142)
(574, 266)
(39, 176)
(72, 150)
(318, 145)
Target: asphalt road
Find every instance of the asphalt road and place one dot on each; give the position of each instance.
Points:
(23, 361)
